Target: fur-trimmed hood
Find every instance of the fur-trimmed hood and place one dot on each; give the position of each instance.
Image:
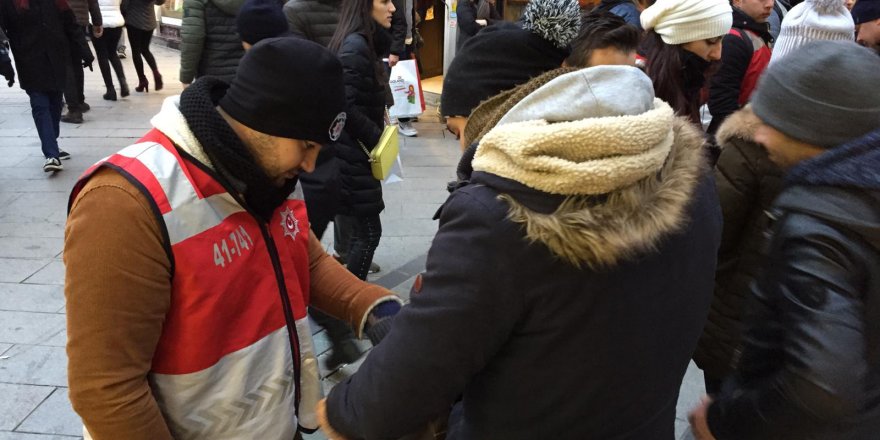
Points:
(739, 125)
(600, 231)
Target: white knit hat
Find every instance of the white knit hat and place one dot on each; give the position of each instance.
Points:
(813, 20)
(683, 21)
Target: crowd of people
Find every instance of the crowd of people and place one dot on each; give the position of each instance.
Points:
(49, 42)
(648, 183)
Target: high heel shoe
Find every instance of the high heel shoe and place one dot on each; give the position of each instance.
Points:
(123, 90)
(158, 80)
(110, 95)
(143, 86)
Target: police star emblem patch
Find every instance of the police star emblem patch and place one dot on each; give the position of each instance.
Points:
(289, 223)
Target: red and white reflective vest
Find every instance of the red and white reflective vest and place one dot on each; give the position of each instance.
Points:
(228, 365)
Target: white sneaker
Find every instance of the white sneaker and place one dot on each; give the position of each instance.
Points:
(406, 129)
(52, 164)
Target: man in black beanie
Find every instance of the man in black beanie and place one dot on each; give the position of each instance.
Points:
(258, 20)
(811, 356)
(866, 15)
(190, 261)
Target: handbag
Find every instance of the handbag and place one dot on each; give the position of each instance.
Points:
(383, 155)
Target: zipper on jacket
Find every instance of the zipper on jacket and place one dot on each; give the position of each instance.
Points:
(288, 311)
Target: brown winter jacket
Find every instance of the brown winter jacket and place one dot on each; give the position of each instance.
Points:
(118, 296)
(747, 183)
(83, 9)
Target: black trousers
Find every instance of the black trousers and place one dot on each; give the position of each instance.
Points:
(75, 84)
(140, 47)
(105, 51)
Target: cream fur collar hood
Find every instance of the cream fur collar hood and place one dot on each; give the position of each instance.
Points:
(171, 123)
(626, 178)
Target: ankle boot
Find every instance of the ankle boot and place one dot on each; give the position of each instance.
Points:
(110, 95)
(123, 85)
(158, 80)
(143, 86)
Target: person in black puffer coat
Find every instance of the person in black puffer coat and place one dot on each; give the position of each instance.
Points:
(810, 366)
(210, 45)
(360, 40)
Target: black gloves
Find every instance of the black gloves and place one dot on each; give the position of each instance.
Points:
(88, 60)
(6, 65)
(377, 331)
(380, 319)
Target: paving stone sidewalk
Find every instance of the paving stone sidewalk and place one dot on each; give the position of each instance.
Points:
(34, 402)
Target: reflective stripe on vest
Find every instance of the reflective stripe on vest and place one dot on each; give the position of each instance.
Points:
(223, 366)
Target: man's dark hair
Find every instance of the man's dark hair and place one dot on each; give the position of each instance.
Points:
(601, 29)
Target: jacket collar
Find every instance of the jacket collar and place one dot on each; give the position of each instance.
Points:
(171, 123)
(851, 165)
(742, 20)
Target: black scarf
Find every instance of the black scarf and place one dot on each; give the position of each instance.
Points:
(694, 72)
(234, 163)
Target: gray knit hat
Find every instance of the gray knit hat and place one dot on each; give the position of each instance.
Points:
(825, 93)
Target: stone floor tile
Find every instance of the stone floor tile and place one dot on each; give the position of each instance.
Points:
(30, 229)
(29, 327)
(30, 247)
(16, 270)
(35, 365)
(4, 347)
(18, 401)
(52, 273)
(31, 297)
(692, 388)
(6, 435)
(53, 416)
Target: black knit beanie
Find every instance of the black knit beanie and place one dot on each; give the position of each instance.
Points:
(505, 55)
(260, 19)
(865, 11)
(289, 87)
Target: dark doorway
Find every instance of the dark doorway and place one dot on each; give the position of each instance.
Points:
(431, 30)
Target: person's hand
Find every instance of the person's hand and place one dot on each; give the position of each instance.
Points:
(324, 423)
(697, 418)
(8, 73)
(88, 59)
(393, 59)
(6, 69)
(98, 31)
(483, 23)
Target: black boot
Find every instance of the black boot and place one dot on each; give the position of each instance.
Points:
(343, 349)
(111, 94)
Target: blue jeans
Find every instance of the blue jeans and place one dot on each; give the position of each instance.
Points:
(46, 109)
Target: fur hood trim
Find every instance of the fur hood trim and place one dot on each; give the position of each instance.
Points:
(740, 125)
(599, 232)
(171, 123)
(585, 157)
